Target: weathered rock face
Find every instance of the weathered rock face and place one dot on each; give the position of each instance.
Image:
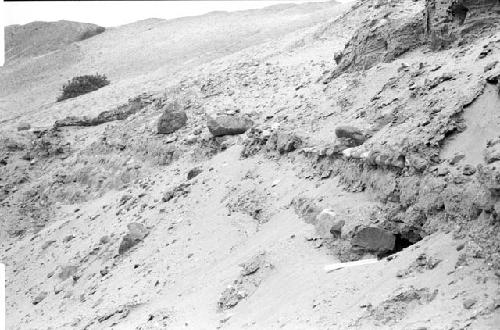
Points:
(172, 119)
(447, 20)
(221, 125)
(442, 22)
(383, 41)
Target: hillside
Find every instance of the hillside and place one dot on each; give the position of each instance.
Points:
(39, 38)
(235, 157)
(155, 49)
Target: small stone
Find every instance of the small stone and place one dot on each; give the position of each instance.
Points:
(47, 244)
(104, 240)
(41, 296)
(328, 224)
(492, 153)
(194, 172)
(253, 265)
(68, 238)
(469, 170)
(67, 271)
(24, 126)
(468, 303)
(138, 229)
(456, 158)
(442, 171)
(490, 66)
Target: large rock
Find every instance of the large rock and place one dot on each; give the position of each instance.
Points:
(136, 233)
(373, 239)
(221, 125)
(172, 119)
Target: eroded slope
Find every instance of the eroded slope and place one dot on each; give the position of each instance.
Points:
(140, 230)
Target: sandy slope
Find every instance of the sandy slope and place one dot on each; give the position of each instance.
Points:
(130, 54)
(197, 241)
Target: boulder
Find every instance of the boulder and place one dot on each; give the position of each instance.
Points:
(355, 135)
(171, 121)
(137, 233)
(373, 239)
(221, 125)
(328, 224)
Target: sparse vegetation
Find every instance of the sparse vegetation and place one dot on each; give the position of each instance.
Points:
(82, 85)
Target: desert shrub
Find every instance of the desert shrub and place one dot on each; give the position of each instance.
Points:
(82, 85)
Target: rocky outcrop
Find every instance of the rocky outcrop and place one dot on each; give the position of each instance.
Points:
(440, 23)
(120, 113)
(270, 140)
(382, 40)
(448, 20)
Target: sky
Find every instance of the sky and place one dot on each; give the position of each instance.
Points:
(114, 13)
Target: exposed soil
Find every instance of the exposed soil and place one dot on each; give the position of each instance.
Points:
(114, 220)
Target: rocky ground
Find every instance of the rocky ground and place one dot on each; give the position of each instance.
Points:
(210, 193)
